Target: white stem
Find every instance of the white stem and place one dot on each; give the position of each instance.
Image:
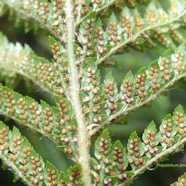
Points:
(83, 137)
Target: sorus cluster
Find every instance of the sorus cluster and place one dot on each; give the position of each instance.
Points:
(46, 75)
(113, 33)
(100, 41)
(136, 45)
(92, 98)
(140, 85)
(153, 78)
(10, 103)
(134, 153)
(107, 181)
(86, 40)
(127, 92)
(4, 140)
(58, 54)
(150, 140)
(75, 177)
(26, 152)
(123, 177)
(165, 68)
(151, 15)
(44, 9)
(29, 112)
(69, 129)
(97, 3)
(103, 168)
(167, 133)
(22, 106)
(58, 16)
(110, 97)
(138, 20)
(179, 120)
(52, 178)
(126, 24)
(160, 36)
(178, 60)
(162, 15)
(103, 148)
(119, 158)
(34, 7)
(63, 111)
(40, 71)
(34, 113)
(81, 8)
(48, 120)
(176, 36)
(37, 170)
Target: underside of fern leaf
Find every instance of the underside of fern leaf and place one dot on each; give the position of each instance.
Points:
(86, 37)
(113, 161)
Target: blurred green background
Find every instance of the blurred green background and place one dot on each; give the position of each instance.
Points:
(138, 120)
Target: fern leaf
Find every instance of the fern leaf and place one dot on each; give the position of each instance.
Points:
(23, 110)
(20, 157)
(113, 161)
(110, 95)
(91, 94)
(36, 13)
(18, 60)
(48, 121)
(133, 27)
(155, 27)
(60, 58)
(18, 154)
(149, 83)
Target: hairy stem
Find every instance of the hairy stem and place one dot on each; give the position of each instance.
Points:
(83, 138)
(155, 160)
(15, 169)
(125, 110)
(135, 36)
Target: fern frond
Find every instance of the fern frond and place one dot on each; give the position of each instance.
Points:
(147, 84)
(20, 157)
(116, 165)
(134, 27)
(37, 13)
(25, 110)
(130, 30)
(56, 124)
(18, 154)
(16, 59)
